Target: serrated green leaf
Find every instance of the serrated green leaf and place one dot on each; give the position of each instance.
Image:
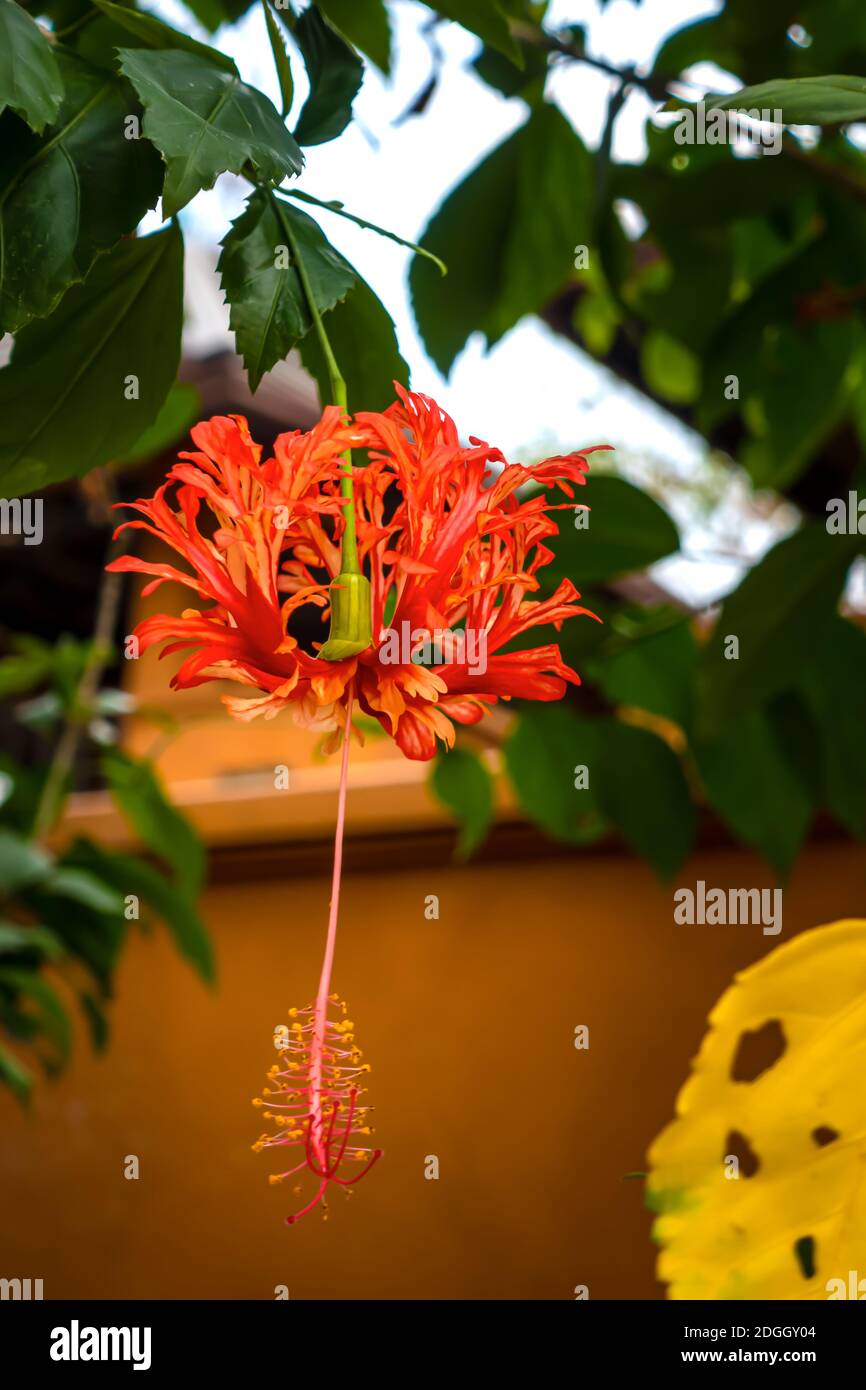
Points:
(30, 81)
(269, 310)
(281, 59)
(124, 323)
(462, 783)
(55, 217)
(206, 121)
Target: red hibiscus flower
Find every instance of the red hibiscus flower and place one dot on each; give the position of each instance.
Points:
(451, 550)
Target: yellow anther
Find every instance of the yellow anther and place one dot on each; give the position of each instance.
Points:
(274, 1178)
(258, 1102)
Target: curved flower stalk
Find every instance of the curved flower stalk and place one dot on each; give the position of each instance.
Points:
(432, 539)
(316, 1087)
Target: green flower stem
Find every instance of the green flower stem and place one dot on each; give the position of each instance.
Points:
(337, 207)
(349, 552)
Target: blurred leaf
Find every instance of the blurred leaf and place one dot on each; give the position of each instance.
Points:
(269, 310)
(755, 791)
(30, 81)
(14, 937)
(206, 122)
(654, 673)
(97, 1021)
(641, 790)
(361, 333)
(803, 100)
(485, 18)
(835, 687)
(462, 782)
(123, 323)
(626, 530)
(49, 1013)
(81, 887)
(335, 72)
(22, 862)
(778, 615)
(507, 234)
(15, 1074)
(130, 875)
(669, 369)
(140, 796)
(544, 757)
(27, 666)
(54, 215)
(365, 24)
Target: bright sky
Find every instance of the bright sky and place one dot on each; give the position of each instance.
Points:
(533, 392)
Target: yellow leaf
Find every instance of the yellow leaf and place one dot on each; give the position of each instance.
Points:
(778, 1086)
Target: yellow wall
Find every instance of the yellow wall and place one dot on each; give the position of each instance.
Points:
(468, 1022)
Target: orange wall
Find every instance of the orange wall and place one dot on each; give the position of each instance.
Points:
(468, 1022)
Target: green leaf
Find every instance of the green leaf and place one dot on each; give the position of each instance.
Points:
(755, 790)
(55, 216)
(140, 796)
(834, 683)
(669, 369)
(180, 409)
(624, 530)
(154, 34)
(507, 235)
(269, 310)
(335, 72)
(206, 121)
(365, 24)
(802, 100)
(14, 937)
(82, 887)
(484, 18)
(123, 323)
(281, 59)
(543, 757)
(655, 673)
(21, 862)
(50, 1014)
(462, 783)
(30, 81)
(15, 1074)
(361, 333)
(130, 875)
(778, 614)
(642, 790)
